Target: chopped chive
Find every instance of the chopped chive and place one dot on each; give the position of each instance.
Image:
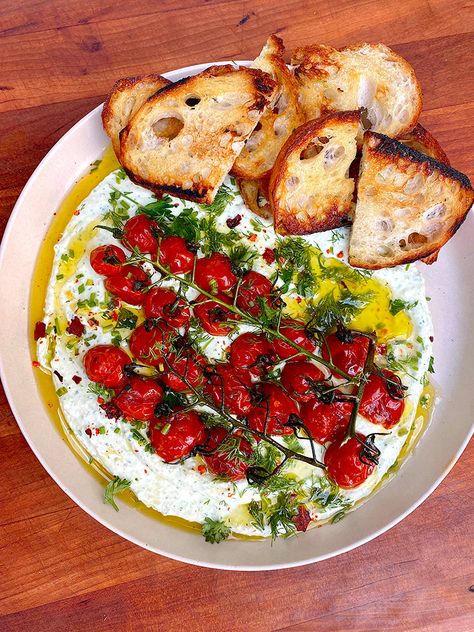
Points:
(61, 391)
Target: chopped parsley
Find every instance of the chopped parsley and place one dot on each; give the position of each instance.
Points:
(215, 531)
(115, 486)
(398, 304)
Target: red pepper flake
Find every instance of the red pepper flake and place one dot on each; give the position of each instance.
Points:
(328, 251)
(253, 237)
(340, 254)
(232, 222)
(75, 327)
(35, 363)
(114, 316)
(101, 400)
(381, 349)
(77, 212)
(111, 410)
(88, 432)
(298, 299)
(77, 379)
(269, 255)
(40, 330)
(302, 519)
(93, 322)
(201, 469)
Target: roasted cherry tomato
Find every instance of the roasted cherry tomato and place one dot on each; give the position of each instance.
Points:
(163, 303)
(347, 356)
(214, 274)
(274, 410)
(295, 331)
(139, 398)
(254, 288)
(129, 285)
(345, 463)
(151, 340)
(298, 377)
(212, 315)
(188, 365)
(324, 421)
(175, 255)
(174, 437)
(382, 402)
(252, 352)
(107, 260)
(105, 364)
(226, 387)
(140, 232)
(221, 463)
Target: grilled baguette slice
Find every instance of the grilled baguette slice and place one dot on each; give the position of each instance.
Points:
(420, 139)
(278, 121)
(255, 195)
(185, 138)
(370, 76)
(408, 205)
(126, 98)
(310, 189)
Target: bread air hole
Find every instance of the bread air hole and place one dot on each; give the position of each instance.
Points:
(413, 240)
(168, 127)
(311, 151)
(192, 101)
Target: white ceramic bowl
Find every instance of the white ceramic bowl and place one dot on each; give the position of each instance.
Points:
(449, 283)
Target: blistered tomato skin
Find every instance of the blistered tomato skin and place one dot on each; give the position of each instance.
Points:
(294, 330)
(347, 356)
(107, 260)
(174, 437)
(344, 464)
(105, 364)
(150, 341)
(139, 398)
(214, 274)
(139, 232)
(298, 377)
(274, 410)
(176, 256)
(129, 285)
(253, 353)
(163, 303)
(220, 463)
(254, 287)
(212, 315)
(226, 387)
(325, 421)
(378, 405)
(189, 366)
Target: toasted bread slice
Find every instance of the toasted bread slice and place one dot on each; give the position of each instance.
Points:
(126, 98)
(310, 189)
(279, 119)
(408, 205)
(255, 195)
(420, 139)
(369, 76)
(185, 138)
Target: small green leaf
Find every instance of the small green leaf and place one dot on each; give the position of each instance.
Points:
(215, 531)
(115, 486)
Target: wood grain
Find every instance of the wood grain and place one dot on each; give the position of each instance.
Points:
(60, 569)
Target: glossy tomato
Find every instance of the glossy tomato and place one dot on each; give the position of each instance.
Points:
(176, 255)
(273, 411)
(214, 274)
(253, 289)
(347, 356)
(105, 364)
(150, 340)
(188, 365)
(227, 388)
(107, 260)
(221, 463)
(382, 402)
(344, 463)
(213, 316)
(140, 232)
(252, 352)
(129, 285)
(139, 397)
(163, 303)
(298, 377)
(294, 330)
(175, 436)
(324, 421)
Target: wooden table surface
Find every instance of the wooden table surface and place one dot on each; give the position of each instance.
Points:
(61, 570)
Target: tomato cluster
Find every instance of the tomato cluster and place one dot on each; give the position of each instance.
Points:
(241, 386)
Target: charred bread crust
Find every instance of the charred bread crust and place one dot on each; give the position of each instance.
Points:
(329, 202)
(423, 141)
